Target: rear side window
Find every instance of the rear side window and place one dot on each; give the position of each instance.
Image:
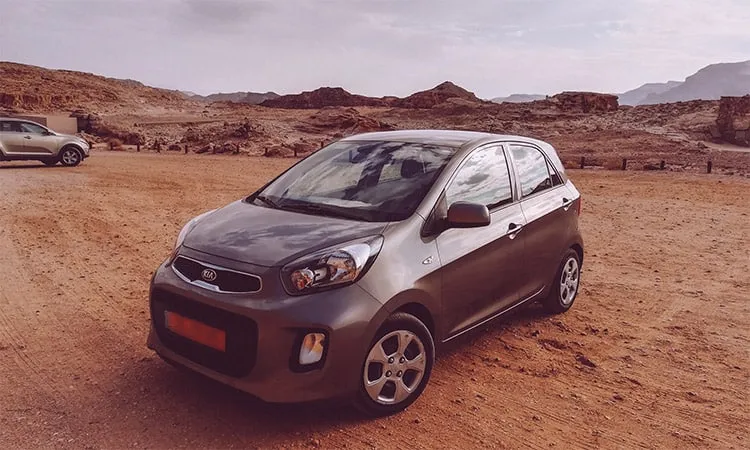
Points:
(533, 169)
(483, 179)
(8, 127)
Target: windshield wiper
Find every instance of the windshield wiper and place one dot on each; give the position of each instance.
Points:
(325, 210)
(267, 201)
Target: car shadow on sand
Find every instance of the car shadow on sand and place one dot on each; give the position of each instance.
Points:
(27, 166)
(189, 401)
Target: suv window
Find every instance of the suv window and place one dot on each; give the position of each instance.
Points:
(32, 128)
(484, 179)
(533, 170)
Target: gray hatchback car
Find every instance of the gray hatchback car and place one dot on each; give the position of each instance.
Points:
(341, 276)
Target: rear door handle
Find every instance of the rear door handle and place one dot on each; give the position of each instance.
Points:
(567, 203)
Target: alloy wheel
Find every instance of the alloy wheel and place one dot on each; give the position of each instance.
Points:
(394, 367)
(569, 281)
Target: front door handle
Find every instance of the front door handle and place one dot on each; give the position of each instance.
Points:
(27, 137)
(514, 229)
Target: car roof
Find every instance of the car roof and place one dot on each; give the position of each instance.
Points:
(451, 138)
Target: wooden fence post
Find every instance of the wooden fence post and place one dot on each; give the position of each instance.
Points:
(186, 149)
(583, 161)
(662, 164)
(624, 163)
(709, 166)
(138, 147)
(295, 151)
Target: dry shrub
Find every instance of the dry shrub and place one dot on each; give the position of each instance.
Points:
(114, 143)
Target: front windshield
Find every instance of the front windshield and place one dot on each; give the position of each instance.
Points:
(378, 181)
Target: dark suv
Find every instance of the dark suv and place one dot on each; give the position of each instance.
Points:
(339, 277)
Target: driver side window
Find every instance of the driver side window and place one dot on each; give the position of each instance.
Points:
(484, 178)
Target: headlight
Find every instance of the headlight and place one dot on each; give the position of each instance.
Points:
(332, 267)
(189, 226)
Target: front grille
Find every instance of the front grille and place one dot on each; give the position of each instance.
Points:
(241, 334)
(227, 280)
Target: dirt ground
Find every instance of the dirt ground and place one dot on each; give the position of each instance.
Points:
(654, 354)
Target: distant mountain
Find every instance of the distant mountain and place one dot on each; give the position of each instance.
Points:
(636, 96)
(519, 98)
(710, 83)
(253, 98)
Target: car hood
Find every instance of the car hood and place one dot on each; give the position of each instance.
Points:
(270, 237)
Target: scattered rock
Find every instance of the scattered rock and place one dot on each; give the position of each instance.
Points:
(584, 360)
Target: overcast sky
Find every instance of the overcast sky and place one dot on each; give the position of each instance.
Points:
(379, 47)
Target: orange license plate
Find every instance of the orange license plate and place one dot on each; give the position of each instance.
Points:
(196, 331)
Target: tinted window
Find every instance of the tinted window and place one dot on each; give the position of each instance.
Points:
(376, 181)
(32, 128)
(532, 169)
(484, 179)
(10, 127)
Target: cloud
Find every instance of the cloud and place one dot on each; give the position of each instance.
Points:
(379, 47)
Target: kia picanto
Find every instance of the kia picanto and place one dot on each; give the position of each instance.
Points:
(340, 277)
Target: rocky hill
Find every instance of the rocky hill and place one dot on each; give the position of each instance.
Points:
(437, 95)
(322, 97)
(31, 88)
(710, 83)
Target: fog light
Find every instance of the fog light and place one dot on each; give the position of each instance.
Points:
(311, 350)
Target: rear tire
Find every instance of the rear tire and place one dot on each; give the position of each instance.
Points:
(565, 284)
(70, 156)
(397, 367)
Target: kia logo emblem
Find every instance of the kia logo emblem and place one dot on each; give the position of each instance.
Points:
(208, 274)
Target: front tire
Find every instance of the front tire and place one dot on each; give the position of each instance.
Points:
(565, 285)
(397, 367)
(70, 156)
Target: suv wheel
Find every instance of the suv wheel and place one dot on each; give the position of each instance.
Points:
(397, 367)
(565, 285)
(70, 156)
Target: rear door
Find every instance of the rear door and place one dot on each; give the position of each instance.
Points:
(11, 137)
(482, 268)
(545, 202)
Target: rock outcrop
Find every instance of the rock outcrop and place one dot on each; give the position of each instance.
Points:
(733, 122)
(435, 96)
(322, 97)
(586, 102)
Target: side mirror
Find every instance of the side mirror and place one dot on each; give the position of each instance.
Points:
(468, 215)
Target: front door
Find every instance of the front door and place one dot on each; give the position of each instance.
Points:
(11, 137)
(37, 141)
(482, 268)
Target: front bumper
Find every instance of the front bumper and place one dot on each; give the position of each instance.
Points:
(264, 332)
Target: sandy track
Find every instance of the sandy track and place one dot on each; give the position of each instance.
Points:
(655, 353)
